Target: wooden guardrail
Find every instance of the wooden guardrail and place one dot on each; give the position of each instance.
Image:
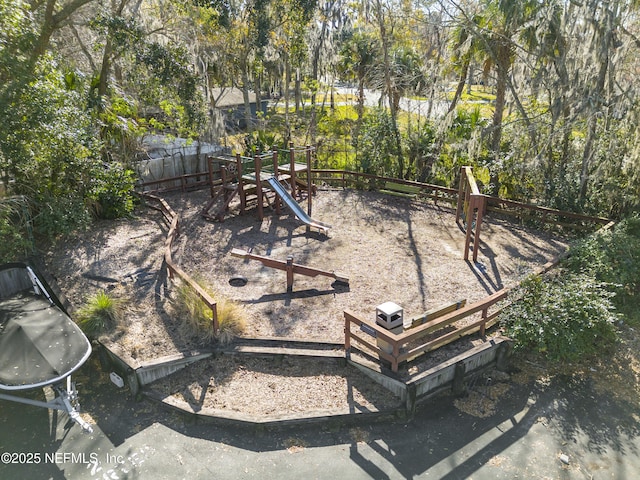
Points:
(470, 208)
(349, 179)
(527, 211)
(434, 313)
(402, 346)
(406, 346)
(437, 193)
(172, 220)
(187, 181)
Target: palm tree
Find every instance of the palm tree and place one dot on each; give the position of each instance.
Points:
(465, 48)
(358, 57)
(495, 31)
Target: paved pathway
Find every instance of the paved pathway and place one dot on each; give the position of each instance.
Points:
(139, 440)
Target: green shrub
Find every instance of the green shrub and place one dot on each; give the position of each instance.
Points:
(613, 257)
(565, 317)
(101, 314)
(197, 316)
(58, 216)
(113, 191)
(15, 231)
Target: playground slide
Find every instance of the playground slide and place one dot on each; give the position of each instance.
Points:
(295, 206)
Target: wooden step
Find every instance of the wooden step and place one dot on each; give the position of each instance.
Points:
(296, 352)
(279, 346)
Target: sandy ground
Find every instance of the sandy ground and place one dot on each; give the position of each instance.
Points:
(390, 248)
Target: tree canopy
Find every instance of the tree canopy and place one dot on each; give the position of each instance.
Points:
(539, 96)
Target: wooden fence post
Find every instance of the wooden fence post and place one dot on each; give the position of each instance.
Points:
(276, 199)
(485, 314)
(309, 199)
(481, 205)
(258, 167)
(347, 337)
(241, 191)
(289, 273)
(214, 319)
(461, 189)
(292, 169)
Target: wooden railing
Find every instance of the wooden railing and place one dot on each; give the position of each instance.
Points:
(544, 215)
(366, 181)
(407, 345)
(187, 181)
(470, 205)
(467, 190)
(470, 208)
(172, 220)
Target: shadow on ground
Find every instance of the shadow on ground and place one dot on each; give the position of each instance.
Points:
(534, 424)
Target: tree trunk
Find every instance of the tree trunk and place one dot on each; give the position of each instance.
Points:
(298, 93)
(587, 154)
(462, 78)
(258, 91)
(107, 56)
(502, 70)
(245, 97)
(51, 21)
(389, 88)
(287, 82)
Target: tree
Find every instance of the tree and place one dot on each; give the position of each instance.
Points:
(332, 20)
(384, 18)
(358, 55)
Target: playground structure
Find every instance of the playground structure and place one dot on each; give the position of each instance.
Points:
(253, 179)
(381, 348)
(289, 267)
(471, 204)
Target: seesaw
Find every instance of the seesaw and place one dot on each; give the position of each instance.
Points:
(289, 267)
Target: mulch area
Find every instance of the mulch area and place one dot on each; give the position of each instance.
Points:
(390, 248)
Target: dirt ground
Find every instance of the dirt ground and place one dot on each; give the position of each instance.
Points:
(390, 248)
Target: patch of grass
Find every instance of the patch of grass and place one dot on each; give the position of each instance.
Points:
(197, 316)
(231, 319)
(478, 94)
(100, 314)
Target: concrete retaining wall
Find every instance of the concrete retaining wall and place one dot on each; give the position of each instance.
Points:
(136, 375)
(173, 158)
(452, 374)
(165, 366)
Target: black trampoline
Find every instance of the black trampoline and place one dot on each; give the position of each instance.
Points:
(39, 344)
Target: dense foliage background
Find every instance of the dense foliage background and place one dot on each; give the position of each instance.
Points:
(539, 96)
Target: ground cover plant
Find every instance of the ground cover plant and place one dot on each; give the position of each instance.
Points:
(563, 317)
(100, 314)
(612, 256)
(575, 312)
(197, 316)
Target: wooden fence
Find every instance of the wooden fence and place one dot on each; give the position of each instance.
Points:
(409, 344)
(172, 220)
(441, 331)
(470, 205)
(366, 181)
(436, 193)
(187, 181)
